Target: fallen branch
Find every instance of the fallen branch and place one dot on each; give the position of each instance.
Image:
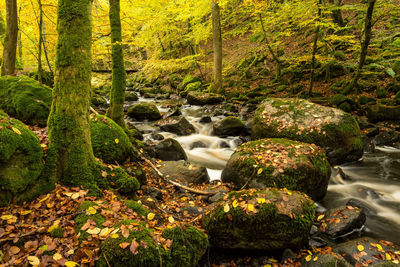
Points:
(94, 111)
(200, 192)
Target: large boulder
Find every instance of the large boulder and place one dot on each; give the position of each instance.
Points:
(176, 124)
(170, 149)
(229, 126)
(268, 220)
(25, 99)
(298, 119)
(185, 172)
(380, 112)
(178, 246)
(144, 111)
(202, 98)
(109, 141)
(279, 163)
(21, 162)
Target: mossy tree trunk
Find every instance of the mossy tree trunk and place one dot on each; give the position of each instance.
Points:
(336, 13)
(117, 97)
(10, 42)
(364, 48)
(70, 155)
(2, 28)
(274, 55)
(40, 25)
(315, 50)
(217, 47)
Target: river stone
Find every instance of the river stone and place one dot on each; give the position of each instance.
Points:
(176, 124)
(298, 119)
(229, 126)
(328, 259)
(373, 251)
(202, 98)
(343, 220)
(185, 172)
(131, 96)
(380, 112)
(281, 163)
(267, 220)
(144, 111)
(170, 149)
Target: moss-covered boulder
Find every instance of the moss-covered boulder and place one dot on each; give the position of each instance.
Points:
(380, 112)
(229, 126)
(202, 98)
(269, 219)
(170, 149)
(298, 119)
(131, 96)
(89, 217)
(279, 163)
(109, 141)
(25, 99)
(118, 179)
(185, 246)
(176, 124)
(144, 111)
(20, 162)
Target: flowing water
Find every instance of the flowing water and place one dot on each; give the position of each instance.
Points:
(373, 182)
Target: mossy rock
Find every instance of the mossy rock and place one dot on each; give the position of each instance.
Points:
(381, 92)
(380, 112)
(329, 260)
(81, 219)
(338, 99)
(136, 207)
(109, 141)
(195, 86)
(201, 98)
(188, 80)
(229, 126)
(170, 149)
(21, 162)
(364, 100)
(345, 106)
(298, 119)
(131, 96)
(25, 99)
(279, 163)
(188, 246)
(144, 111)
(121, 181)
(267, 220)
(98, 100)
(176, 124)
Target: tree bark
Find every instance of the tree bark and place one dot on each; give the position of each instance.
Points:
(364, 47)
(70, 155)
(271, 51)
(336, 14)
(10, 42)
(315, 50)
(217, 46)
(2, 29)
(40, 25)
(117, 97)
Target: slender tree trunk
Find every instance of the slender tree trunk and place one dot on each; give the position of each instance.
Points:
(117, 98)
(2, 28)
(19, 45)
(70, 155)
(315, 50)
(271, 51)
(364, 47)
(40, 24)
(10, 43)
(336, 14)
(44, 47)
(217, 46)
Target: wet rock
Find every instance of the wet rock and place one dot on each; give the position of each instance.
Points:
(343, 220)
(205, 119)
(317, 242)
(176, 124)
(135, 170)
(260, 220)
(224, 144)
(386, 137)
(279, 163)
(98, 100)
(297, 119)
(153, 192)
(131, 96)
(218, 196)
(202, 98)
(144, 111)
(371, 132)
(170, 149)
(157, 136)
(134, 132)
(185, 172)
(197, 144)
(357, 203)
(229, 126)
(382, 112)
(191, 211)
(174, 111)
(328, 259)
(368, 250)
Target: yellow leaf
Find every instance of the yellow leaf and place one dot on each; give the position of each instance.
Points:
(316, 258)
(45, 198)
(320, 217)
(235, 203)
(93, 231)
(250, 207)
(261, 200)
(150, 216)
(114, 236)
(308, 258)
(75, 196)
(388, 257)
(57, 256)
(70, 252)
(260, 170)
(105, 232)
(71, 264)
(267, 265)
(360, 247)
(226, 208)
(379, 247)
(17, 132)
(116, 140)
(171, 219)
(7, 217)
(91, 210)
(33, 260)
(25, 212)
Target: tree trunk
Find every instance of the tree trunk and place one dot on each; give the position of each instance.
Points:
(337, 14)
(364, 47)
(117, 97)
(271, 51)
(10, 42)
(40, 24)
(217, 46)
(315, 50)
(70, 155)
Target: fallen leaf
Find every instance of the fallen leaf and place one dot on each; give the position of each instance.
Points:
(93, 231)
(57, 256)
(226, 208)
(91, 210)
(33, 260)
(171, 219)
(134, 246)
(235, 203)
(308, 258)
(124, 245)
(260, 170)
(116, 140)
(150, 216)
(360, 247)
(71, 264)
(16, 130)
(388, 257)
(14, 250)
(261, 200)
(250, 207)
(125, 232)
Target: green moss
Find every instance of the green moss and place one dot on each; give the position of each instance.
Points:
(381, 92)
(144, 111)
(57, 232)
(25, 99)
(82, 218)
(136, 207)
(109, 141)
(122, 182)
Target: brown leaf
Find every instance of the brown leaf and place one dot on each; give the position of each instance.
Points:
(144, 244)
(168, 243)
(124, 245)
(134, 247)
(14, 250)
(125, 232)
